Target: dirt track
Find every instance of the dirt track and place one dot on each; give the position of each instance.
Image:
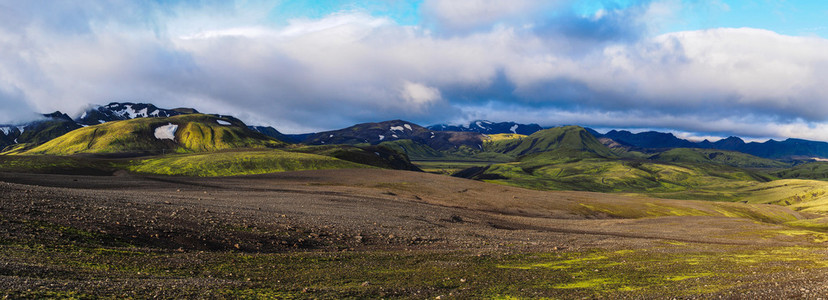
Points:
(344, 210)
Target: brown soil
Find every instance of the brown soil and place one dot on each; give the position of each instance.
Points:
(346, 210)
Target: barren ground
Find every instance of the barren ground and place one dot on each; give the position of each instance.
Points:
(382, 233)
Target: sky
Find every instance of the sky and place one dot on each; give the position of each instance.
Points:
(751, 68)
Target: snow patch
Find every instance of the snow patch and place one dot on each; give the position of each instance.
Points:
(377, 153)
(223, 122)
(395, 136)
(166, 132)
(141, 113)
(408, 127)
(154, 113)
(381, 137)
(83, 115)
(21, 128)
(397, 128)
(101, 121)
(330, 136)
(514, 127)
(5, 130)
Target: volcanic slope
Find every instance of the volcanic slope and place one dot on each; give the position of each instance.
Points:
(53, 125)
(182, 133)
(375, 133)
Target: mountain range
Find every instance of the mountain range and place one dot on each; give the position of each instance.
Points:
(488, 127)
(787, 149)
(440, 137)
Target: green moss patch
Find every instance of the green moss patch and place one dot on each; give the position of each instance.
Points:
(237, 163)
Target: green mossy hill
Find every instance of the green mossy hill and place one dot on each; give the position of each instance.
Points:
(195, 133)
(559, 142)
(239, 162)
(730, 158)
(414, 150)
(687, 181)
(376, 156)
(814, 170)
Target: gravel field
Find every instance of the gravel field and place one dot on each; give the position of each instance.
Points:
(378, 234)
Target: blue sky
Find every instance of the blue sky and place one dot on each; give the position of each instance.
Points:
(703, 68)
(785, 17)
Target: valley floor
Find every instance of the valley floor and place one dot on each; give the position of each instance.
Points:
(371, 233)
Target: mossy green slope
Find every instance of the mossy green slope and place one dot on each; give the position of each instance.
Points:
(813, 170)
(232, 163)
(730, 158)
(414, 150)
(562, 142)
(195, 133)
(604, 175)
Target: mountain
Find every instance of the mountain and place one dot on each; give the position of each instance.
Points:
(488, 127)
(57, 123)
(53, 125)
(375, 133)
(181, 133)
(787, 149)
(649, 139)
(117, 111)
(563, 142)
(715, 156)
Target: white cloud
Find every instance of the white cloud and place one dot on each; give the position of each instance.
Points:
(418, 95)
(466, 15)
(354, 67)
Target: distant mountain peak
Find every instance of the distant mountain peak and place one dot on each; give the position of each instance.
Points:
(489, 127)
(117, 111)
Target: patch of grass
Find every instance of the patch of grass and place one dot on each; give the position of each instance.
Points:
(685, 272)
(678, 271)
(231, 163)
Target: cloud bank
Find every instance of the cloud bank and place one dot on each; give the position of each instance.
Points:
(525, 61)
